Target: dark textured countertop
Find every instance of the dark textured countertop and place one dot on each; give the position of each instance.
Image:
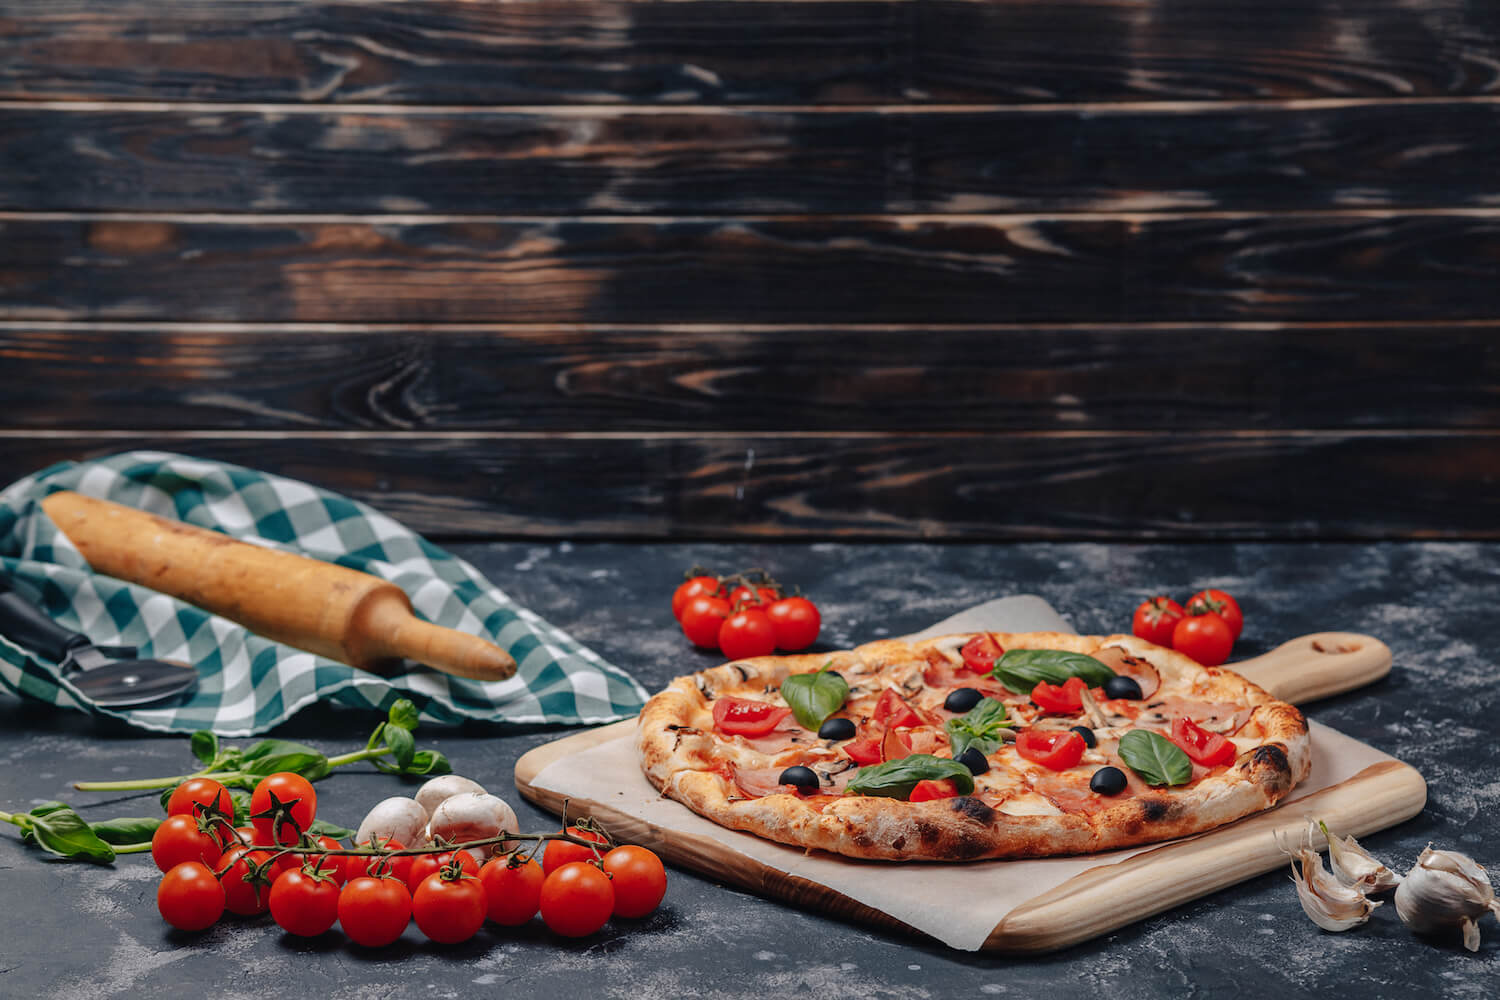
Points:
(78, 930)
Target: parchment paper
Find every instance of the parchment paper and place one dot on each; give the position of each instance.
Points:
(958, 904)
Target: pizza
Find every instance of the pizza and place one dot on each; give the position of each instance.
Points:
(973, 745)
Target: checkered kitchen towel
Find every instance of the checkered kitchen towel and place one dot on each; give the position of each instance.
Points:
(249, 683)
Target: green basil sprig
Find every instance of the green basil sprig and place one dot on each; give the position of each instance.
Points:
(814, 697)
(55, 827)
(391, 748)
(1023, 669)
(1155, 758)
(980, 727)
(896, 778)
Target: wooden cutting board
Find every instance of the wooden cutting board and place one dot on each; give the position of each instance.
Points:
(1102, 898)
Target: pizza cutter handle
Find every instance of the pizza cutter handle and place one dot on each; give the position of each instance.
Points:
(26, 625)
(1317, 666)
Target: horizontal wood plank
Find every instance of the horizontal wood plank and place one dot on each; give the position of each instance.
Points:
(593, 161)
(832, 270)
(955, 486)
(739, 51)
(392, 378)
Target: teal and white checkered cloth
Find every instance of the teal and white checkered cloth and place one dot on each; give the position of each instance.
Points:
(248, 683)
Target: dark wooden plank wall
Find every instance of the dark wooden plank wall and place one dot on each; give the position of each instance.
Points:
(770, 268)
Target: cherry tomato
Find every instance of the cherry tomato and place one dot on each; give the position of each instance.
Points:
(244, 893)
(1206, 638)
(246, 835)
(747, 632)
(865, 750)
(200, 792)
(425, 865)
(744, 717)
(892, 710)
(1057, 750)
(1063, 698)
(707, 586)
(449, 910)
(356, 865)
(304, 905)
(1155, 619)
(374, 911)
(747, 596)
(1204, 747)
(638, 879)
(1220, 604)
(513, 888)
(180, 839)
(189, 897)
(561, 852)
(934, 788)
(577, 899)
(981, 652)
(796, 623)
(328, 865)
(701, 619)
(287, 802)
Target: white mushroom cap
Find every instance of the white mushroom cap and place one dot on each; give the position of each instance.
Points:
(431, 794)
(397, 818)
(472, 816)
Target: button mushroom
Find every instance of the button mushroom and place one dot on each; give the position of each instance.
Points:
(472, 816)
(435, 791)
(396, 818)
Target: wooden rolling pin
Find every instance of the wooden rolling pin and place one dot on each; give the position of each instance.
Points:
(330, 610)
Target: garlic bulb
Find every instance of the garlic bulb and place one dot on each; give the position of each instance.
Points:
(1446, 889)
(1353, 865)
(1329, 903)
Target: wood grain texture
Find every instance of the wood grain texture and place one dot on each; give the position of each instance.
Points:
(735, 51)
(388, 378)
(1348, 266)
(939, 486)
(593, 161)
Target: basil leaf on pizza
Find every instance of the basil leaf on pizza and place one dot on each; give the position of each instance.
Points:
(814, 697)
(896, 778)
(979, 728)
(1155, 758)
(1023, 669)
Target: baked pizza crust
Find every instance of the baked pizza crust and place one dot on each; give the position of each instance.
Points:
(686, 760)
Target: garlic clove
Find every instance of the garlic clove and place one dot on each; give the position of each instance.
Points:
(1446, 889)
(1353, 865)
(1329, 903)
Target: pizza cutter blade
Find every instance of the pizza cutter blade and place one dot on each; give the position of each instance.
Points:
(109, 676)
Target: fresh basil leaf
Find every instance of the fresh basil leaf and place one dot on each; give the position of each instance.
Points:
(49, 807)
(979, 728)
(271, 756)
(1023, 669)
(126, 829)
(241, 802)
(896, 778)
(205, 745)
(1155, 758)
(428, 762)
(64, 833)
(323, 828)
(404, 715)
(402, 745)
(814, 697)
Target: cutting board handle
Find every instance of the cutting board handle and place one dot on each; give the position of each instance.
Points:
(1318, 665)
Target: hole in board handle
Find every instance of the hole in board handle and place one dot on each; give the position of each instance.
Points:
(1334, 648)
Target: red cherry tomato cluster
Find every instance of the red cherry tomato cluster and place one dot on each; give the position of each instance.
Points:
(209, 867)
(744, 614)
(1205, 628)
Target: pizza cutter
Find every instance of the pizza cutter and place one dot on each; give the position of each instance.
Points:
(108, 676)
